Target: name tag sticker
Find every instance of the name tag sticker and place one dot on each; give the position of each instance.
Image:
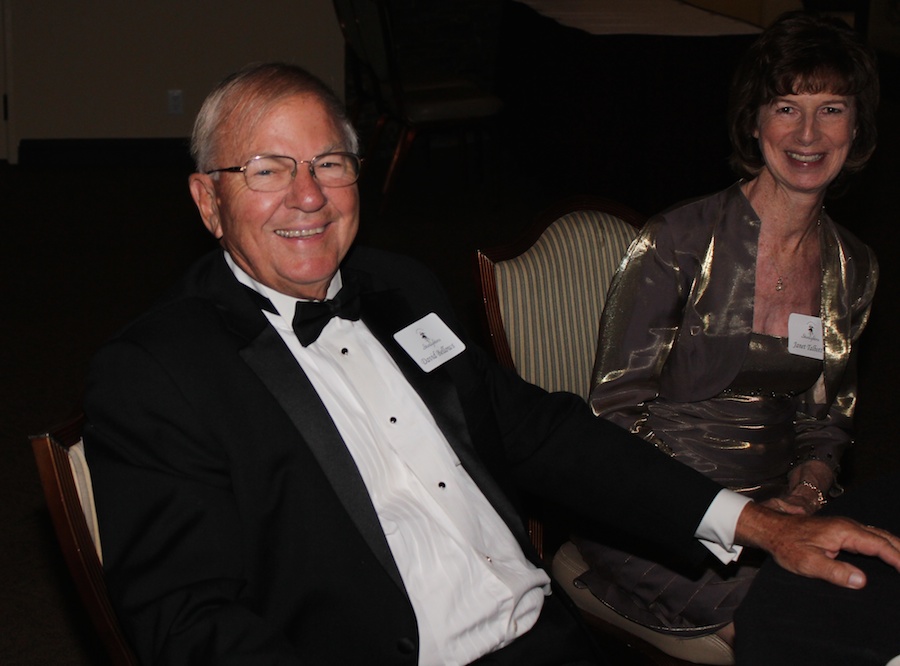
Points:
(429, 342)
(805, 336)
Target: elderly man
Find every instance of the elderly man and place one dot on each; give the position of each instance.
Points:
(299, 457)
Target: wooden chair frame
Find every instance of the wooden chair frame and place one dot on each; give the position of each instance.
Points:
(51, 453)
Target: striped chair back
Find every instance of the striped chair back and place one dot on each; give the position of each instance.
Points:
(548, 291)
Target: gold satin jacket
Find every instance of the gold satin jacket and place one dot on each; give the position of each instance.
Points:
(679, 314)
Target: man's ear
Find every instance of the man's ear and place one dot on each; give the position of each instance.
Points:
(204, 193)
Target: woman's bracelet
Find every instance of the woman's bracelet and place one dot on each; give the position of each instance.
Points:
(820, 498)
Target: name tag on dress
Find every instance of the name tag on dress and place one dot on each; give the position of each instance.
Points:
(805, 336)
(429, 342)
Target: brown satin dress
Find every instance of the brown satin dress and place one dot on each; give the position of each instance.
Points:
(744, 439)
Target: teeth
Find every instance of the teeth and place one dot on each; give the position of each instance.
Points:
(299, 233)
(805, 158)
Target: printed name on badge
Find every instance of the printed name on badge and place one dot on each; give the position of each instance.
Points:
(805, 336)
(429, 342)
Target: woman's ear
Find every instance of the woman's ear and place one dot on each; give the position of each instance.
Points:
(203, 191)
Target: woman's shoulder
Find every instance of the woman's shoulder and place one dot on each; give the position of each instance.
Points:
(846, 237)
(858, 257)
(695, 220)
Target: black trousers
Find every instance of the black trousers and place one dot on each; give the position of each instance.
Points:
(789, 620)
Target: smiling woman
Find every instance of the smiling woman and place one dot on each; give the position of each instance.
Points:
(729, 334)
(805, 140)
(801, 55)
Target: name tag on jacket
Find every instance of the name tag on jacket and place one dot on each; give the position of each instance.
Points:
(430, 342)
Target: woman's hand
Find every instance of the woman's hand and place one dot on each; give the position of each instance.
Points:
(802, 502)
(809, 484)
(797, 504)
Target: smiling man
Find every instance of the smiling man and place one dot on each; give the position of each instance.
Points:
(299, 457)
(272, 214)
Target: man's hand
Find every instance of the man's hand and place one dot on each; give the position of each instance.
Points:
(808, 545)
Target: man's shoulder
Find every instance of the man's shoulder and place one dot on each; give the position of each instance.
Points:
(388, 268)
(193, 302)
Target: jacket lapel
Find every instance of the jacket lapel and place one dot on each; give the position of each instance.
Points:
(276, 367)
(268, 357)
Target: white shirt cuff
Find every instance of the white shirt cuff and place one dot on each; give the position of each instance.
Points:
(716, 530)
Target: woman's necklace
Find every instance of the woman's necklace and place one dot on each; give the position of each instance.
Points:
(779, 283)
(780, 274)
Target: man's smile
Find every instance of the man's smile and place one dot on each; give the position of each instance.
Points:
(300, 233)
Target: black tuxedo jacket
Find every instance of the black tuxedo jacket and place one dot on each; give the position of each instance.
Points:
(235, 526)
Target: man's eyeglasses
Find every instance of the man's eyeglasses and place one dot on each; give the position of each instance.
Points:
(272, 173)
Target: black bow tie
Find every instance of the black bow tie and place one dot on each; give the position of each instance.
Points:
(311, 317)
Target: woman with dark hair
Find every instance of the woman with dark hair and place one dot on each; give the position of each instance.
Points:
(729, 335)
